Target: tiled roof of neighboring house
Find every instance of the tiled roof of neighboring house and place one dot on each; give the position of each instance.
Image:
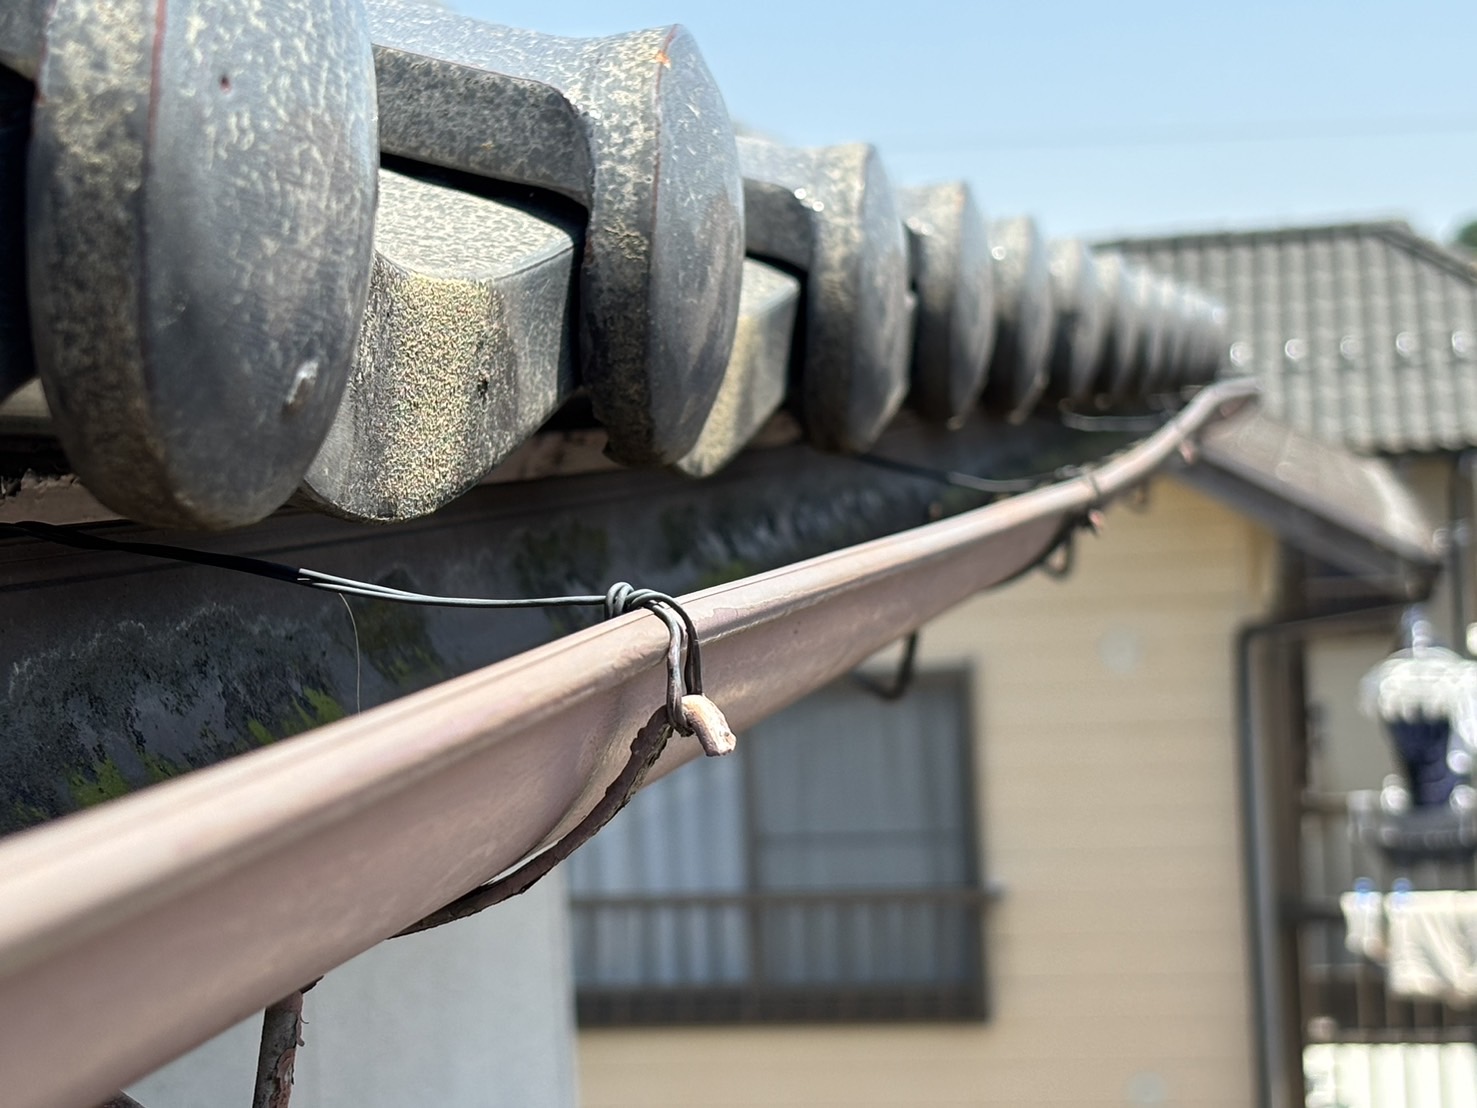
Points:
(1363, 334)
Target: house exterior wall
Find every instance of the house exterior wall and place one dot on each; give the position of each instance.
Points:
(1107, 777)
(474, 1015)
(1347, 750)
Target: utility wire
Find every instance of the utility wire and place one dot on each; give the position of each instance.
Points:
(954, 477)
(1180, 134)
(1131, 424)
(684, 662)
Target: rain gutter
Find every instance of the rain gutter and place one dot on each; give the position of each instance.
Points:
(134, 931)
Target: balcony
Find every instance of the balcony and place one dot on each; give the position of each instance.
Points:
(834, 956)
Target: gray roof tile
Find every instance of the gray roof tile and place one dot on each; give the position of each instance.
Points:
(1363, 334)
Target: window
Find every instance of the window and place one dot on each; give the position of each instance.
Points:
(825, 871)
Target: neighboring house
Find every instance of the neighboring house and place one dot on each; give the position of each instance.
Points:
(1099, 751)
(1103, 849)
(830, 870)
(1151, 930)
(1364, 335)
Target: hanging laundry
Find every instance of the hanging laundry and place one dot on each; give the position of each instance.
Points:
(1364, 922)
(1432, 946)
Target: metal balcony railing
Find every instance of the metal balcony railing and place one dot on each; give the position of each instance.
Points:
(842, 956)
(1343, 996)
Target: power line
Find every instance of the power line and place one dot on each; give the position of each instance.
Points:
(1183, 134)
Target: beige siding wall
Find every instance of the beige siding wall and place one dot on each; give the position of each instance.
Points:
(1107, 777)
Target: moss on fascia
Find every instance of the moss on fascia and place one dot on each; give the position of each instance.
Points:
(25, 815)
(158, 767)
(105, 782)
(395, 641)
(311, 708)
(320, 709)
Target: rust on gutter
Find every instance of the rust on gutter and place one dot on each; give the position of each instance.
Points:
(134, 931)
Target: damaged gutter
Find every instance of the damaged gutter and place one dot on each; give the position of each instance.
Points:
(202, 900)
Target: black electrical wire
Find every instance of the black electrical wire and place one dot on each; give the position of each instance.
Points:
(684, 676)
(1069, 417)
(684, 662)
(1132, 424)
(954, 477)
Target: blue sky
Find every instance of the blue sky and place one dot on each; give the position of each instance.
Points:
(1105, 117)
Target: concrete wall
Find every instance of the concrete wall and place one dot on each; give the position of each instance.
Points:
(474, 1015)
(1107, 777)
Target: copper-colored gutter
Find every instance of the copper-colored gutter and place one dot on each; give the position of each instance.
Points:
(134, 931)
